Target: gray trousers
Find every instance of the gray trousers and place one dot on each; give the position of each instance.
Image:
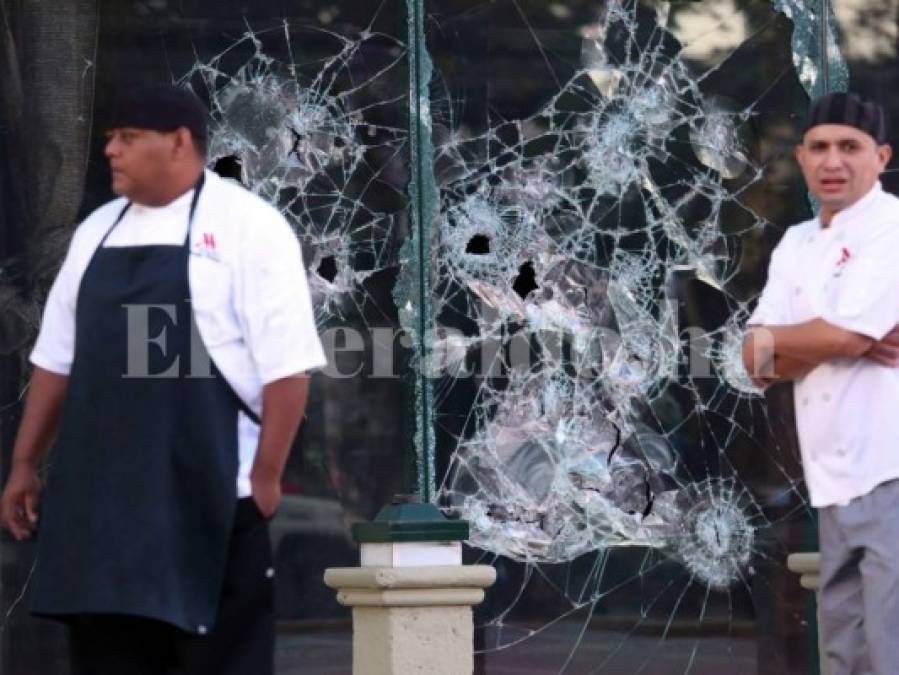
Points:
(860, 583)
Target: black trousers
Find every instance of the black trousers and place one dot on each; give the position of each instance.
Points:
(241, 643)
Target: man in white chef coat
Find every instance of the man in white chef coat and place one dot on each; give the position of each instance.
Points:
(170, 377)
(827, 320)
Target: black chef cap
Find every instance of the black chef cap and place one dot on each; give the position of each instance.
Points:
(851, 110)
(161, 107)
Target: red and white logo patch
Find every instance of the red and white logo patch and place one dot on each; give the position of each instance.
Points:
(845, 255)
(204, 246)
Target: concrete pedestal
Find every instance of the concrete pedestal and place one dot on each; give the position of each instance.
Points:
(808, 567)
(412, 620)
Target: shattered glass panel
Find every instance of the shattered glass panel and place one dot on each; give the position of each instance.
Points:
(813, 47)
(315, 139)
(309, 110)
(602, 229)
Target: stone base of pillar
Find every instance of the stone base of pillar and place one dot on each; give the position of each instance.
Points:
(412, 619)
(808, 567)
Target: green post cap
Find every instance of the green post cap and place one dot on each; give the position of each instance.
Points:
(406, 519)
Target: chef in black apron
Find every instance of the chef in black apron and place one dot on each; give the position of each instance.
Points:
(144, 548)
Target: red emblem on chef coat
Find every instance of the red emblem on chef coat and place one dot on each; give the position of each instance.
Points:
(205, 247)
(845, 254)
(844, 257)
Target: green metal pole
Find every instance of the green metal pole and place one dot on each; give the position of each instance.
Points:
(424, 196)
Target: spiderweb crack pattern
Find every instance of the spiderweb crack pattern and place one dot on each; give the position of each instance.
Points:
(609, 191)
(559, 236)
(308, 138)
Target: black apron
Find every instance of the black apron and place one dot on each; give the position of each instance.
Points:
(142, 484)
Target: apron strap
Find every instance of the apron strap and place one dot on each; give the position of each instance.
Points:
(244, 408)
(114, 223)
(198, 188)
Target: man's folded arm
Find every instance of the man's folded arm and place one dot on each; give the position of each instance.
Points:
(775, 353)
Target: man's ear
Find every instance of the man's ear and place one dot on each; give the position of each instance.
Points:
(184, 143)
(885, 154)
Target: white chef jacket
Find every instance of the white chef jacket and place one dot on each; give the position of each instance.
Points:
(847, 410)
(248, 286)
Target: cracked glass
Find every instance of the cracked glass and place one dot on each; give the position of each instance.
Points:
(533, 232)
(602, 227)
(308, 110)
